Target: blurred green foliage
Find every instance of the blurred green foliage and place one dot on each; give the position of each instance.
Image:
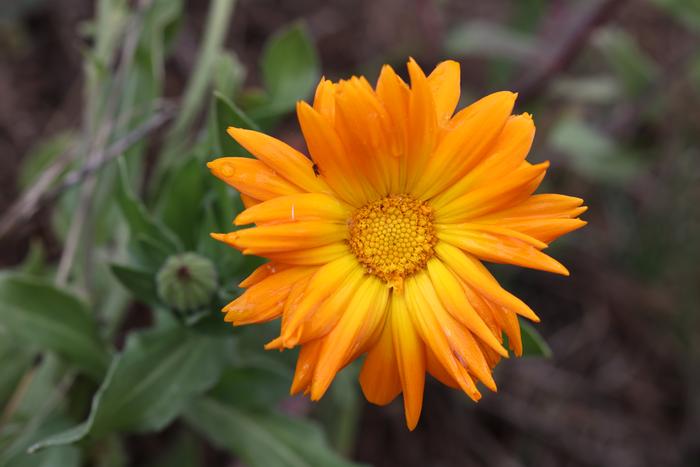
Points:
(91, 352)
(60, 326)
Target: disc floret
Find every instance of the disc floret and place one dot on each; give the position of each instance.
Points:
(393, 237)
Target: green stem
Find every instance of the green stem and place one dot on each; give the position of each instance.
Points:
(215, 32)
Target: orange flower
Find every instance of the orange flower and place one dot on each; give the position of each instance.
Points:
(375, 242)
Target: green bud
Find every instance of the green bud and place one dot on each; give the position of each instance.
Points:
(186, 281)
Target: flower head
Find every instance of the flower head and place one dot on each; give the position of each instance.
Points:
(375, 240)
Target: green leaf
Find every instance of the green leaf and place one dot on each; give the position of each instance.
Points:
(16, 360)
(62, 456)
(184, 451)
(490, 40)
(42, 156)
(262, 439)
(591, 153)
(34, 264)
(590, 89)
(140, 283)
(159, 22)
(40, 387)
(218, 21)
(226, 259)
(290, 69)
(634, 69)
(229, 74)
(143, 227)
(148, 385)
(40, 313)
(534, 344)
(686, 11)
(260, 384)
(226, 114)
(181, 204)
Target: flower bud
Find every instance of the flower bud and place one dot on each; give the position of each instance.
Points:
(186, 281)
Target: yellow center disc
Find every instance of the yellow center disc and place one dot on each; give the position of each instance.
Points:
(393, 237)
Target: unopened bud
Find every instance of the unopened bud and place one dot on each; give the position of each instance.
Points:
(186, 281)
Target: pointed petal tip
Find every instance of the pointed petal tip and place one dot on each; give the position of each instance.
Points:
(415, 72)
(303, 105)
(500, 350)
(491, 385)
(558, 268)
(317, 391)
(386, 68)
(411, 422)
(242, 219)
(234, 130)
(298, 386)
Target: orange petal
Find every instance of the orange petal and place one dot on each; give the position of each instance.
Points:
(485, 309)
(284, 237)
(298, 207)
(296, 294)
(545, 230)
(544, 217)
(423, 312)
(445, 85)
(410, 357)
(324, 282)
(306, 363)
(512, 329)
(324, 99)
(364, 126)
(264, 300)
(251, 177)
(463, 347)
(260, 273)
(248, 201)
(437, 371)
(315, 256)
(379, 377)
(505, 155)
(280, 157)
(474, 273)
(457, 304)
(466, 145)
(394, 95)
(327, 150)
(422, 125)
(368, 312)
(502, 249)
(327, 315)
(511, 190)
(541, 206)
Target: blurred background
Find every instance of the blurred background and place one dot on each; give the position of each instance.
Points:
(109, 110)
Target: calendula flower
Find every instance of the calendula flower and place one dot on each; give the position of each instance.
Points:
(375, 240)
